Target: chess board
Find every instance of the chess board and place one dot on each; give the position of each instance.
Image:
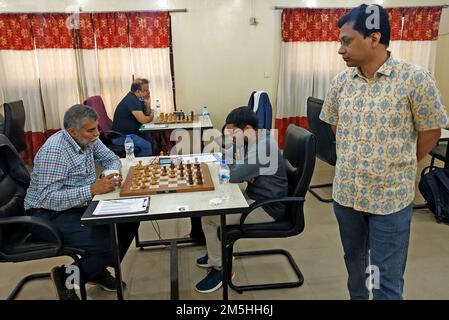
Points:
(148, 179)
(179, 117)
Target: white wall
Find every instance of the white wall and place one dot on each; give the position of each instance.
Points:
(219, 58)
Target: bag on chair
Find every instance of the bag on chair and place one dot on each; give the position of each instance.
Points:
(434, 187)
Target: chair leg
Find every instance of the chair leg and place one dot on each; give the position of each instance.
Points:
(280, 285)
(318, 186)
(24, 281)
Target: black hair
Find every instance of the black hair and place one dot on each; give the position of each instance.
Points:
(138, 83)
(242, 116)
(360, 16)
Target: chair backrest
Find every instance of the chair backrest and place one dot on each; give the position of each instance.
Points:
(299, 155)
(15, 124)
(12, 192)
(96, 103)
(325, 137)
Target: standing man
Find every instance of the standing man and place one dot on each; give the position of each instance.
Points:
(133, 111)
(63, 183)
(387, 116)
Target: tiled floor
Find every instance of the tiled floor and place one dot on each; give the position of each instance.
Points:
(317, 251)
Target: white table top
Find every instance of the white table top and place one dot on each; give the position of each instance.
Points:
(444, 134)
(203, 122)
(195, 201)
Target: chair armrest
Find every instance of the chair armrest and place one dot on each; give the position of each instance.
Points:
(111, 134)
(38, 222)
(263, 203)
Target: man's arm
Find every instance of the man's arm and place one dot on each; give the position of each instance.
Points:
(141, 117)
(52, 172)
(334, 129)
(426, 141)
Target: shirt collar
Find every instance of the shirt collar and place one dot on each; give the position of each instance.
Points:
(76, 147)
(386, 69)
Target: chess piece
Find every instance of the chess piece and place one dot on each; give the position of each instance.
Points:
(181, 174)
(181, 166)
(191, 115)
(172, 165)
(153, 181)
(199, 180)
(190, 180)
(172, 174)
(189, 165)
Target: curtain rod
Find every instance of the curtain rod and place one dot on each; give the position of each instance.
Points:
(387, 7)
(82, 11)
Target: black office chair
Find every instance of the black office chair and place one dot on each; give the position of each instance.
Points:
(16, 243)
(299, 157)
(325, 141)
(15, 124)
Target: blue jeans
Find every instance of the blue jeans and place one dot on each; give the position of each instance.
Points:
(384, 240)
(95, 240)
(145, 146)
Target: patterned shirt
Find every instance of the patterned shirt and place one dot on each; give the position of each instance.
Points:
(377, 124)
(63, 173)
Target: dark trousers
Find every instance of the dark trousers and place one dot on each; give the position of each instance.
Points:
(95, 240)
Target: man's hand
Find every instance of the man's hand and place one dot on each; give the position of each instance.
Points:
(106, 184)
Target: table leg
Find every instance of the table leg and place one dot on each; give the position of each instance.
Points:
(116, 261)
(174, 283)
(224, 264)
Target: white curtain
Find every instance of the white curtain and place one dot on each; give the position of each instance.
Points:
(421, 53)
(19, 81)
(306, 69)
(115, 74)
(88, 73)
(154, 64)
(59, 83)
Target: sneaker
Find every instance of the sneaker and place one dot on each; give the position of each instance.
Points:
(202, 262)
(106, 281)
(58, 277)
(211, 282)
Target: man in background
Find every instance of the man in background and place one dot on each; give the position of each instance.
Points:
(133, 111)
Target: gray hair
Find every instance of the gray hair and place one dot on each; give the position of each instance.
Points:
(76, 116)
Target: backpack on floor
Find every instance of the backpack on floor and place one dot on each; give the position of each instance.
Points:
(434, 187)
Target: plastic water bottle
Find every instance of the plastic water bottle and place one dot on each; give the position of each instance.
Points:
(157, 110)
(205, 111)
(129, 149)
(224, 174)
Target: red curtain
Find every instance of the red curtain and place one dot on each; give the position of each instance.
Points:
(15, 32)
(149, 29)
(311, 24)
(85, 38)
(111, 30)
(50, 31)
(421, 24)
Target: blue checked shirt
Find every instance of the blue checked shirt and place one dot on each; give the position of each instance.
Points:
(63, 173)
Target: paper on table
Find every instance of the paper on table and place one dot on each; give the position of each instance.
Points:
(131, 205)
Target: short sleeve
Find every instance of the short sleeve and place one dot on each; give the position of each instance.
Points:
(426, 105)
(135, 105)
(329, 112)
